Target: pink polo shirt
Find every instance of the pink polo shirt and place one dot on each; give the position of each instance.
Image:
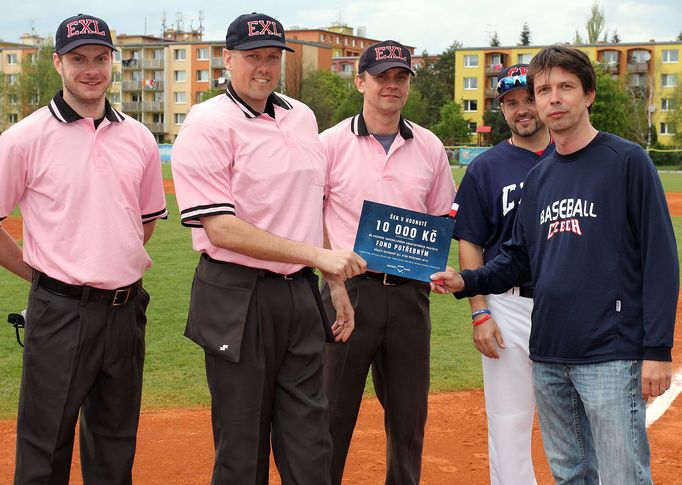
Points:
(414, 174)
(83, 193)
(267, 170)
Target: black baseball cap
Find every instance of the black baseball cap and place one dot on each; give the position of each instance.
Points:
(511, 78)
(383, 56)
(255, 30)
(81, 30)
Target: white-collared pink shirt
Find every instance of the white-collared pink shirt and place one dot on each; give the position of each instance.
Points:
(84, 193)
(415, 174)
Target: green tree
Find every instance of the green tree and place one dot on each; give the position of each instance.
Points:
(323, 91)
(494, 39)
(350, 106)
(609, 112)
(38, 80)
(596, 24)
(525, 35)
(211, 93)
(679, 36)
(452, 128)
(416, 108)
(500, 129)
(435, 81)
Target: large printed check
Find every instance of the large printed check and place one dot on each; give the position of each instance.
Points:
(403, 242)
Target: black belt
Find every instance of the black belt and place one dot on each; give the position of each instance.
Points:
(385, 278)
(119, 296)
(301, 273)
(526, 291)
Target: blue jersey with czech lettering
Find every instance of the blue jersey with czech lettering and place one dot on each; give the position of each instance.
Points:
(490, 193)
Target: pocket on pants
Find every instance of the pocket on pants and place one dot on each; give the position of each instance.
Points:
(217, 316)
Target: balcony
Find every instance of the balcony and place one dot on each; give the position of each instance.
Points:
(131, 85)
(638, 67)
(493, 69)
(217, 62)
(136, 106)
(130, 63)
(152, 85)
(131, 107)
(155, 127)
(152, 63)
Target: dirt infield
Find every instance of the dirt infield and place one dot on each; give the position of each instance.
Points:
(175, 445)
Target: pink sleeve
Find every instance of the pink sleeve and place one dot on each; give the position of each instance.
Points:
(13, 173)
(152, 198)
(201, 161)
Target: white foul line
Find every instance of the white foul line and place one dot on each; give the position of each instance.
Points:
(659, 406)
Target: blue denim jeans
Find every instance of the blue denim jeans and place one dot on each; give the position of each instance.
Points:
(593, 422)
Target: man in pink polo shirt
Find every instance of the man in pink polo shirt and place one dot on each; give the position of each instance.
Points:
(379, 156)
(87, 179)
(249, 173)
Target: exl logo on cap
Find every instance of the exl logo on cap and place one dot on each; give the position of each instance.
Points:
(267, 27)
(86, 26)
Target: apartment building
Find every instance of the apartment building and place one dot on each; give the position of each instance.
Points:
(11, 57)
(651, 69)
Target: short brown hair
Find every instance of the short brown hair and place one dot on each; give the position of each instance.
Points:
(567, 58)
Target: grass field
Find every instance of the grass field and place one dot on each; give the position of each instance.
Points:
(174, 370)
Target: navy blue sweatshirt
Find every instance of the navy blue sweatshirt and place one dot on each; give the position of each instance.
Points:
(593, 232)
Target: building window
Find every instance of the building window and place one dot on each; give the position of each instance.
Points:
(180, 76)
(610, 58)
(348, 68)
(639, 56)
(180, 97)
(12, 117)
(638, 80)
(470, 105)
(202, 54)
(472, 126)
(11, 79)
(198, 95)
(333, 67)
(11, 59)
(157, 97)
(667, 129)
(336, 39)
(179, 54)
(362, 44)
(136, 75)
(670, 55)
(157, 118)
(525, 58)
(321, 37)
(470, 83)
(345, 41)
(496, 61)
(353, 42)
(471, 60)
(115, 98)
(492, 82)
(179, 118)
(12, 99)
(202, 75)
(117, 56)
(116, 77)
(668, 80)
(157, 54)
(667, 104)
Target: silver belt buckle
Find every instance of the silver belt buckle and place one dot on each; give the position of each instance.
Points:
(121, 297)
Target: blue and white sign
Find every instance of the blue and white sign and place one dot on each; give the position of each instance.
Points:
(403, 242)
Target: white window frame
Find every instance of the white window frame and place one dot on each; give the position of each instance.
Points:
(180, 54)
(666, 128)
(200, 76)
(468, 81)
(179, 118)
(180, 76)
(668, 80)
(12, 59)
(203, 54)
(468, 58)
(466, 105)
(667, 104)
(524, 58)
(668, 53)
(180, 97)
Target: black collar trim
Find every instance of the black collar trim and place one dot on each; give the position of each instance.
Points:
(359, 128)
(65, 113)
(249, 112)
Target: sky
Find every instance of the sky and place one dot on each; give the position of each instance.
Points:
(430, 25)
